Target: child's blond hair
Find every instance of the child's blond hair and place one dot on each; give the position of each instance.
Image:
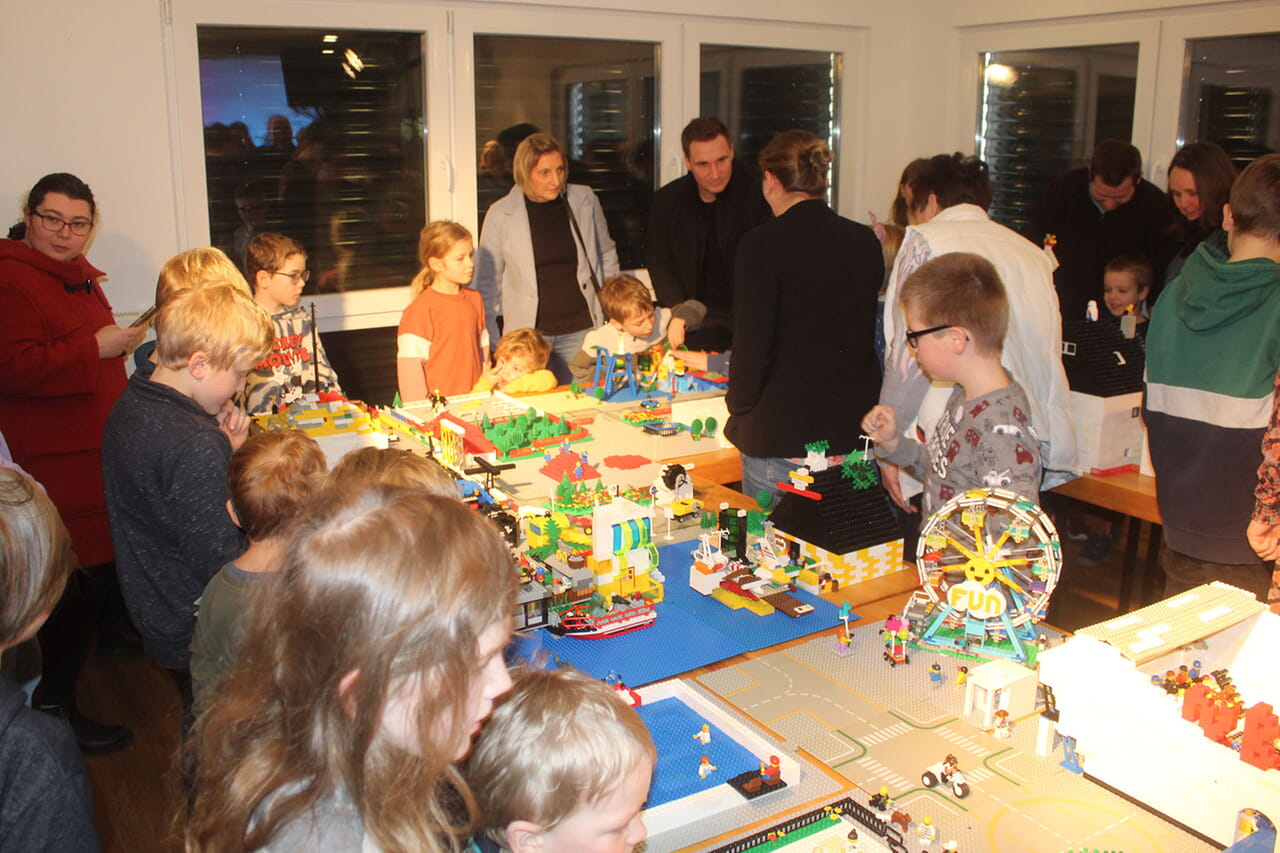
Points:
(558, 742)
(960, 289)
(272, 478)
(528, 344)
(197, 268)
(268, 252)
(435, 241)
(371, 466)
(220, 321)
(35, 554)
(625, 296)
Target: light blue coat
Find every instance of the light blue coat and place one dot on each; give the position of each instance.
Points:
(505, 274)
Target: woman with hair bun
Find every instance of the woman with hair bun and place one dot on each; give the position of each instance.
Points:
(1200, 179)
(804, 365)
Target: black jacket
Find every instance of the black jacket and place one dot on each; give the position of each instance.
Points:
(1087, 239)
(674, 241)
(804, 364)
(45, 802)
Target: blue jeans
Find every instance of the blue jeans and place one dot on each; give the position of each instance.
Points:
(563, 349)
(762, 474)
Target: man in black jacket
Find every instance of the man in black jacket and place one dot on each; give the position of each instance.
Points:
(695, 225)
(1098, 213)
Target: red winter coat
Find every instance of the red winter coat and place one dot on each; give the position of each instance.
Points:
(55, 393)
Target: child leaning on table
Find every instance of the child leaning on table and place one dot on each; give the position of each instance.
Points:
(563, 764)
(956, 314)
(635, 325)
(519, 365)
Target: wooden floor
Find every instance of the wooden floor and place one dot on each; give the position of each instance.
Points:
(137, 791)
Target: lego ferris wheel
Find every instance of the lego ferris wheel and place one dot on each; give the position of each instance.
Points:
(988, 562)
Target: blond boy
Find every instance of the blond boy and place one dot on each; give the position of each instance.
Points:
(193, 268)
(165, 452)
(271, 480)
(563, 764)
(276, 266)
(519, 365)
(956, 314)
(635, 325)
(372, 466)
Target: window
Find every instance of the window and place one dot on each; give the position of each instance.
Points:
(1041, 113)
(1231, 95)
(318, 134)
(597, 97)
(757, 92)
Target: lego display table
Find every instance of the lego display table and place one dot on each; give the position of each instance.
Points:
(1134, 495)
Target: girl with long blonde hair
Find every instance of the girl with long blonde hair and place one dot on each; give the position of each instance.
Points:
(366, 668)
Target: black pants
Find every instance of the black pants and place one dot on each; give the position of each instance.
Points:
(92, 597)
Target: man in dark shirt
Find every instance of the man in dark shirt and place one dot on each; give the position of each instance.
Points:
(695, 225)
(1099, 213)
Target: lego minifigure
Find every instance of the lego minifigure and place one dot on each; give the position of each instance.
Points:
(880, 802)
(770, 773)
(926, 831)
(703, 735)
(705, 767)
(1002, 723)
(935, 673)
(962, 675)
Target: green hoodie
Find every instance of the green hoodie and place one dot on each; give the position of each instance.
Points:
(1213, 351)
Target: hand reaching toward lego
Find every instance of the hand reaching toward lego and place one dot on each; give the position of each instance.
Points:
(881, 426)
(675, 332)
(693, 358)
(1264, 539)
(234, 424)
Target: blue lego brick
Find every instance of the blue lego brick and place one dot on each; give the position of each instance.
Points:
(692, 630)
(672, 725)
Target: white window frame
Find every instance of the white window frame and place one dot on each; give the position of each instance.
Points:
(971, 43)
(448, 34)
(357, 309)
(1177, 31)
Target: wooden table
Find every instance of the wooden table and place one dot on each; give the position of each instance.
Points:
(1134, 495)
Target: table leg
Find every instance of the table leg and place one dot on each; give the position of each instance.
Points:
(1147, 592)
(1130, 576)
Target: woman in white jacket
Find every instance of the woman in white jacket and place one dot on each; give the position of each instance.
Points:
(946, 205)
(544, 252)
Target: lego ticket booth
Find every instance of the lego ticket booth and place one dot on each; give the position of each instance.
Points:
(998, 685)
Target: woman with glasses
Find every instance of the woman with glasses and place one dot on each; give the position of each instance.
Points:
(61, 369)
(804, 361)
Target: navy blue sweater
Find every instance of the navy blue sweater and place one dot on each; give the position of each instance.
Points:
(164, 465)
(45, 802)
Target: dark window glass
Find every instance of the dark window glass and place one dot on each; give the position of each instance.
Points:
(317, 134)
(1230, 95)
(758, 92)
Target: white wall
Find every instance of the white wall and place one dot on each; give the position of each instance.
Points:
(91, 94)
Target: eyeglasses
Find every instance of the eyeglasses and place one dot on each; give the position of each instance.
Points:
(295, 277)
(913, 336)
(79, 227)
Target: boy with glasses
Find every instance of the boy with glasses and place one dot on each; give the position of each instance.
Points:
(956, 313)
(276, 267)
